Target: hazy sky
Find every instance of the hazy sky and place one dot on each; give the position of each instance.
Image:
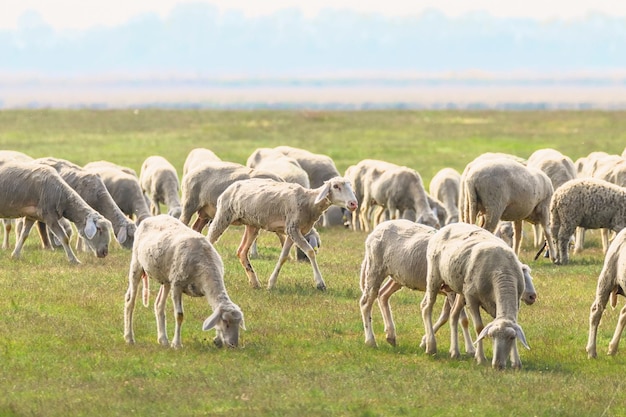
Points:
(80, 14)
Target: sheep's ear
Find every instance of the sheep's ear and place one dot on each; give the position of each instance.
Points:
(212, 320)
(122, 235)
(484, 333)
(519, 333)
(90, 227)
(323, 194)
(242, 324)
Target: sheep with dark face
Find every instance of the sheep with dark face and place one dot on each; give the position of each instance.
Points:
(484, 272)
(278, 207)
(159, 182)
(38, 193)
(183, 262)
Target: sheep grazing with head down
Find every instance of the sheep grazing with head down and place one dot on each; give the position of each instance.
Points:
(183, 262)
(198, 156)
(397, 249)
(484, 272)
(278, 207)
(159, 182)
(445, 187)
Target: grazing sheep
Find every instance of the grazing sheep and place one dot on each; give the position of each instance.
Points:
(397, 249)
(38, 193)
(159, 181)
(124, 188)
(280, 164)
(197, 157)
(182, 261)
(502, 189)
(484, 272)
(107, 164)
(91, 188)
(611, 282)
(559, 168)
(588, 203)
(445, 186)
(281, 208)
(505, 232)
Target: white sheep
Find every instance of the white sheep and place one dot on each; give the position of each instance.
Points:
(484, 272)
(588, 203)
(91, 188)
(281, 208)
(159, 181)
(284, 166)
(198, 156)
(611, 282)
(38, 193)
(445, 187)
(124, 188)
(183, 261)
(502, 189)
(396, 249)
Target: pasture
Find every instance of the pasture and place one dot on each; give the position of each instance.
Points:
(62, 351)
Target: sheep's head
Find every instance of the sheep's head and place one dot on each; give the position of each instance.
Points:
(504, 334)
(226, 320)
(126, 235)
(97, 234)
(339, 191)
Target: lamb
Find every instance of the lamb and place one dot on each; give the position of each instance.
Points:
(484, 272)
(159, 181)
(445, 187)
(611, 282)
(397, 249)
(503, 189)
(278, 207)
(198, 156)
(38, 193)
(588, 203)
(124, 188)
(91, 188)
(280, 164)
(183, 261)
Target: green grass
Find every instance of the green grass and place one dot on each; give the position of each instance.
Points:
(62, 351)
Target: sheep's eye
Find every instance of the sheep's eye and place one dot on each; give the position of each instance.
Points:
(336, 186)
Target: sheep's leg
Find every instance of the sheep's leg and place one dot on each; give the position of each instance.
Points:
(28, 224)
(386, 291)
(56, 228)
(370, 292)
(223, 219)
(284, 255)
(595, 314)
(177, 299)
(296, 237)
(247, 240)
(579, 240)
(563, 243)
(7, 231)
(469, 345)
(159, 312)
(134, 276)
(427, 305)
(43, 235)
(200, 222)
(538, 235)
(491, 221)
(155, 207)
(604, 234)
(459, 303)
(621, 322)
(474, 311)
(517, 236)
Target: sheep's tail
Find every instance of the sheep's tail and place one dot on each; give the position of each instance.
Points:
(145, 293)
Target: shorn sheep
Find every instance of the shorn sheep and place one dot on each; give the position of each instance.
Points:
(198, 156)
(484, 272)
(183, 262)
(588, 203)
(445, 187)
(284, 166)
(159, 182)
(503, 189)
(611, 282)
(38, 193)
(397, 249)
(281, 208)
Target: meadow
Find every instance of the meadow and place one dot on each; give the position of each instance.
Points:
(62, 350)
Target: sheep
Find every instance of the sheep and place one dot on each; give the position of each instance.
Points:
(484, 272)
(588, 203)
(278, 207)
(396, 249)
(502, 189)
(159, 181)
(320, 168)
(196, 157)
(8, 155)
(38, 193)
(445, 186)
(108, 164)
(182, 261)
(280, 164)
(611, 282)
(124, 188)
(91, 188)
(558, 167)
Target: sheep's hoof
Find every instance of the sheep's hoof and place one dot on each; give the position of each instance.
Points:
(176, 345)
(130, 341)
(371, 343)
(164, 342)
(454, 354)
(391, 341)
(321, 287)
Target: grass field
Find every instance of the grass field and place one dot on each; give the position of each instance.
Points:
(62, 351)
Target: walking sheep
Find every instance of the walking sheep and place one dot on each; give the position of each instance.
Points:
(159, 181)
(397, 249)
(445, 187)
(588, 203)
(281, 208)
(484, 272)
(182, 261)
(38, 193)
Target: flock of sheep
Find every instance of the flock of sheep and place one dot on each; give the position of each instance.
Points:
(460, 239)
